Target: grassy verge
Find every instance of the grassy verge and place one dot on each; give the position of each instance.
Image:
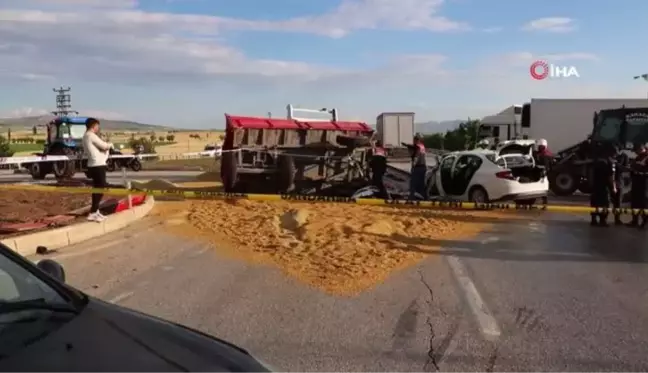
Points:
(26, 147)
(205, 164)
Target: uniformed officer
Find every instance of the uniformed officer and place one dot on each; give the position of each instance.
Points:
(378, 164)
(638, 170)
(621, 164)
(603, 183)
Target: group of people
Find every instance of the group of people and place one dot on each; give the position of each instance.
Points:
(418, 172)
(607, 180)
(607, 170)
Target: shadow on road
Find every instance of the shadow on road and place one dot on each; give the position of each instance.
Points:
(537, 240)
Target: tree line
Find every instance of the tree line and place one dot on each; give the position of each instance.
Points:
(461, 138)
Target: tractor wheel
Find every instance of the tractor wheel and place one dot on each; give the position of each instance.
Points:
(64, 169)
(229, 171)
(353, 141)
(37, 171)
(136, 165)
(564, 183)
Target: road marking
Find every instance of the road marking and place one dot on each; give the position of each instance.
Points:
(489, 240)
(121, 297)
(487, 323)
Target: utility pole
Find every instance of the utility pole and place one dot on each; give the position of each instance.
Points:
(642, 76)
(63, 102)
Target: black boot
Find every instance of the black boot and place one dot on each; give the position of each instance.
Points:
(594, 221)
(603, 222)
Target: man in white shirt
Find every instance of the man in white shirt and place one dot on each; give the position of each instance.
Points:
(97, 152)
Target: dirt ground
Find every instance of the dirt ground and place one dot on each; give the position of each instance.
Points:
(17, 206)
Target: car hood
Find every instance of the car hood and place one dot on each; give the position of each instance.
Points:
(105, 337)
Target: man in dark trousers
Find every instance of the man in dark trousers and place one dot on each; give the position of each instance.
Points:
(543, 158)
(621, 163)
(378, 164)
(419, 168)
(603, 171)
(638, 169)
(96, 150)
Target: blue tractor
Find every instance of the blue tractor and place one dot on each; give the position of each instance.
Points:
(64, 137)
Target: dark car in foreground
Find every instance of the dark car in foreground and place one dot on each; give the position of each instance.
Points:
(46, 325)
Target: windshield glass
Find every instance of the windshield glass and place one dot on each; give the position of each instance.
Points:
(29, 308)
(72, 131)
(607, 128)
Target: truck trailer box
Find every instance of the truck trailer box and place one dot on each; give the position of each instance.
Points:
(566, 122)
(395, 128)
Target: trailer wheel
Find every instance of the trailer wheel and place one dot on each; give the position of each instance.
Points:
(229, 171)
(564, 183)
(110, 165)
(37, 172)
(286, 173)
(136, 165)
(353, 141)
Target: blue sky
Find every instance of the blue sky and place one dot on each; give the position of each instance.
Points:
(187, 62)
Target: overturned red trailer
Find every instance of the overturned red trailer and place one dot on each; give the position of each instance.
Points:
(264, 155)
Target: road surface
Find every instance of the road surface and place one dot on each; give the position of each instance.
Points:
(113, 177)
(526, 295)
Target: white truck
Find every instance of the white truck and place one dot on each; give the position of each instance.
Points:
(564, 123)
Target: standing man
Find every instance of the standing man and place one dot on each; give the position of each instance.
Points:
(378, 164)
(603, 183)
(96, 150)
(419, 168)
(544, 158)
(638, 191)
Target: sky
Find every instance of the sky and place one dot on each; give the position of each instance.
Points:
(186, 63)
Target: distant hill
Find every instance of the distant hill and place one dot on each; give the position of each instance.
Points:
(27, 123)
(437, 127)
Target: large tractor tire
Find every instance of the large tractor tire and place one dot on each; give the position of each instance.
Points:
(564, 182)
(286, 173)
(229, 171)
(64, 169)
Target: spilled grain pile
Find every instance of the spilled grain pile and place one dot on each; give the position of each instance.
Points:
(341, 249)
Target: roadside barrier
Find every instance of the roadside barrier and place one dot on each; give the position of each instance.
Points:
(212, 195)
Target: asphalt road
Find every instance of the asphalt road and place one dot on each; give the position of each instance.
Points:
(113, 177)
(526, 295)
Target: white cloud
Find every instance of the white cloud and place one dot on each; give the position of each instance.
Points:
(551, 24)
(122, 43)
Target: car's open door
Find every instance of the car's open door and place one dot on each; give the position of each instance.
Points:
(444, 176)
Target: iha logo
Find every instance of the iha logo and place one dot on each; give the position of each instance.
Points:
(541, 70)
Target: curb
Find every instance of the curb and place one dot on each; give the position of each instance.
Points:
(61, 237)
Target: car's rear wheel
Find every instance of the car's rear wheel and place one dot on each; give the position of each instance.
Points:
(478, 195)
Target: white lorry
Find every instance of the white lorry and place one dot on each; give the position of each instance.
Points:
(564, 123)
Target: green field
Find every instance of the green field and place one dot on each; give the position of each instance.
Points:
(26, 147)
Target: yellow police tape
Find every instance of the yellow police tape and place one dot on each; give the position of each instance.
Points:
(212, 195)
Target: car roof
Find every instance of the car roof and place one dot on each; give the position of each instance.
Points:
(473, 152)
